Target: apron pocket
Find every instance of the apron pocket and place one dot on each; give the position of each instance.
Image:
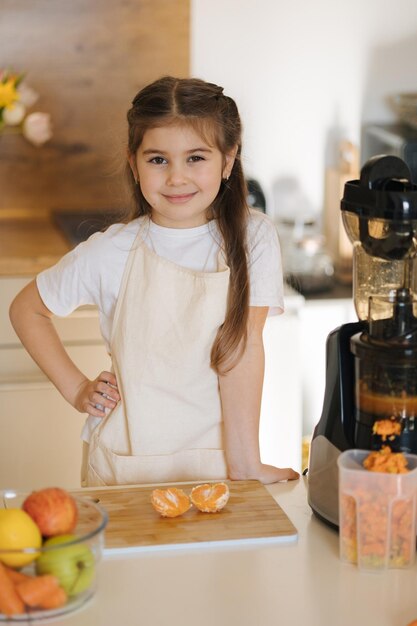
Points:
(187, 465)
(93, 479)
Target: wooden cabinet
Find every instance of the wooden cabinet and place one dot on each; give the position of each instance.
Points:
(40, 441)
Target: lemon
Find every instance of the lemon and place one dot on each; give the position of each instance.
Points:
(17, 531)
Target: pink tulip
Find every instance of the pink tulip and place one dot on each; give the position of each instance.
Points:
(37, 128)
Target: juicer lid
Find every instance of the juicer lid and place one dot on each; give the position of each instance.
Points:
(385, 190)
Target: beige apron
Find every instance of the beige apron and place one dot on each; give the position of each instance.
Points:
(168, 424)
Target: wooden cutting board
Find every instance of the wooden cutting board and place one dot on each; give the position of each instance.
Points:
(251, 515)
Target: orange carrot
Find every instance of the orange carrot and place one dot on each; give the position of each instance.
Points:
(54, 600)
(10, 601)
(15, 576)
(37, 589)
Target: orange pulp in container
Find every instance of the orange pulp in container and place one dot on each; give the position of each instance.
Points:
(377, 509)
(386, 461)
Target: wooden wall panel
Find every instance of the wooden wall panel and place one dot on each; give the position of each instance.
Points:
(86, 59)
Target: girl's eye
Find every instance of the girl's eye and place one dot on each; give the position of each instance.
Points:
(195, 158)
(158, 160)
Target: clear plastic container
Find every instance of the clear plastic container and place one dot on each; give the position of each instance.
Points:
(77, 559)
(377, 514)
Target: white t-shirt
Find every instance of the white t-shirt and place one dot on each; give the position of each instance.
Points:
(92, 272)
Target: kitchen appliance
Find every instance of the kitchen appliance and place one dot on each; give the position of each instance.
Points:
(372, 363)
(307, 265)
(78, 226)
(255, 196)
(392, 139)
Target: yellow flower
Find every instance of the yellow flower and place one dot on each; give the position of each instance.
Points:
(8, 93)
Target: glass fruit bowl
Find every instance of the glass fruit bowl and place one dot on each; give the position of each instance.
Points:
(68, 561)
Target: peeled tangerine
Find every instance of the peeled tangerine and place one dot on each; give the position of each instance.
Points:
(210, 498)
(170, 502)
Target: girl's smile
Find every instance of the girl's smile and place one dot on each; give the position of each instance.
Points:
(180, 198)
(179, 174)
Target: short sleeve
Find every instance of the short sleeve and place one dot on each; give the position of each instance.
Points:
(73, 281)
(90, 274)
(265, 265)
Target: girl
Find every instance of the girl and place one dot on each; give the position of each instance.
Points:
(183, 289)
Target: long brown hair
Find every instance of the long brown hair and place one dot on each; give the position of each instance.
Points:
(210, 113)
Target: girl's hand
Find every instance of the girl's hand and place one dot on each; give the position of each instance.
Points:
(270, 474)
(266, 474)
(94, 396)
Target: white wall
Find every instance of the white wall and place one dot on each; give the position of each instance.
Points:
(303, 72)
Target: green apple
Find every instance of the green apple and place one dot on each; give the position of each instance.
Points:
(73, 565)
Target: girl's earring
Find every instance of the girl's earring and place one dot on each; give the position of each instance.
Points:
(136, 181)
(225, 179)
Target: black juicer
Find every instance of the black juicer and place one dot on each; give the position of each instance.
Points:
(371, 368)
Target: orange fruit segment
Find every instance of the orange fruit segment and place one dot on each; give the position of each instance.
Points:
(210, 498)
(170, 502)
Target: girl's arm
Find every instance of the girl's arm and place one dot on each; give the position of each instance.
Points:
(241, 393)
(32, 322)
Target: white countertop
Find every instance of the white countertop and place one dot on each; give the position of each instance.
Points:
(296, 584)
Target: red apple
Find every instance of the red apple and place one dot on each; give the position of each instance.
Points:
(53, 509)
